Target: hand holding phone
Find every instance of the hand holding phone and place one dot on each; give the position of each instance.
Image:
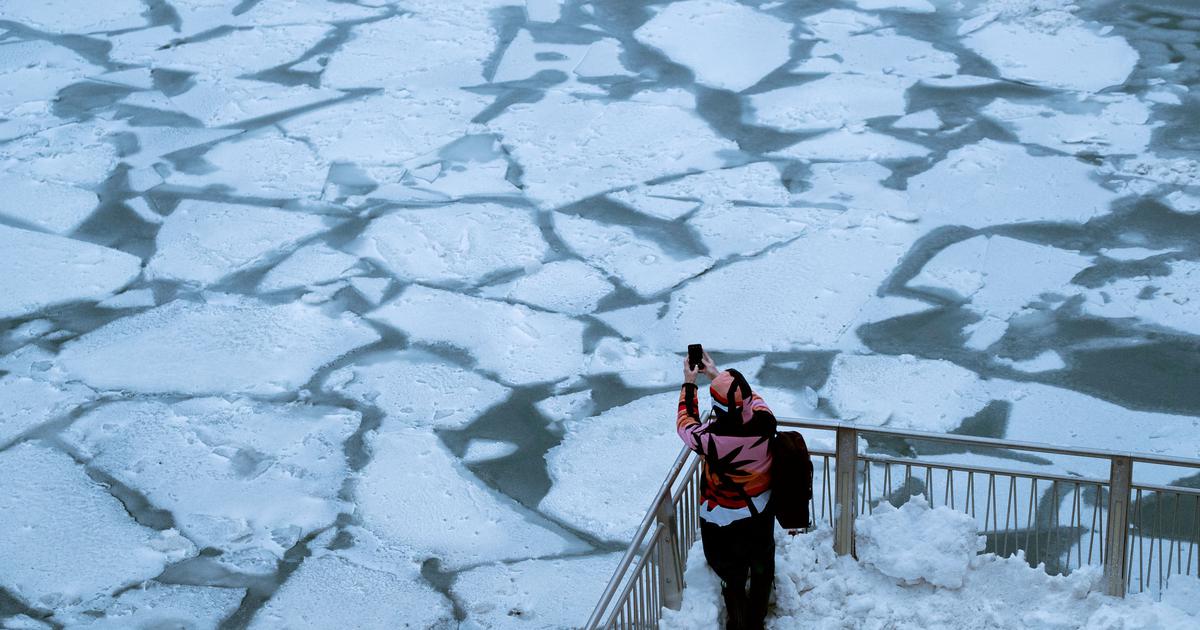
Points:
(695, 356)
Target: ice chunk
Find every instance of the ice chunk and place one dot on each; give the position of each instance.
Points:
(42, 271)
(412, 50)
(830, 102)
(390, 127)
(758, 183)
(414, 388)
(927, 120)
(230, 344)
(525, 57)
(572, 148)
(416, 497)
(543, 10)
(774, 314)
(530, 594)
(894, 391)
(991, 183)
(329, 590)
(631, 321)
(204, 241)
(879, 52)
(223, 101)
(26, 403)
(47, 205)
(854, 185)
(1058, 53)
(1134, 253)
(608, 467)
(907, 6)
(1169, 301)
(840, 23)
(1183, 203)
(603, 59)
(1047, 361)
(66, 16)
(566, 286)
(853, 146)
(294, 170)
(371, 289)
(229, 55)
(156, 605)
(640, 263)
(154, 142)
(458, 244)
(312, 264)
(635, 364)
(238, 476)
(134, 298)
(487, 450)
(917, 543)
(566, 406)
(741, 45)
(64, 540)
(35, 70)
(722, 227)
(519, 344)
(45, 156)
(1121, 124)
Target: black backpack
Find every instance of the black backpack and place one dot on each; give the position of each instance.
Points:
(791, 480)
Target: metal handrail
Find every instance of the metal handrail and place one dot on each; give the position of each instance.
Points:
(647, 584)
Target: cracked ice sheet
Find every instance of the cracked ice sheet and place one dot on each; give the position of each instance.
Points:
(156, 605)
(229, 344)
(293, 170)
(1055, 49)
(329, 586)
(853, 145)
(993, 183)
(42, 271)
(717, 226)
(44, 156)
(1171, 301)
(758, 183)
(520, 345)
(572, 148)
(566, 286)
(530, 593)
(419, 500)
(390, 127)
(65, 541)
(218, 102)
(606, 464)
(458, 244)
(1106, 124)
(854, 185)
(233, 55)
(999, 277)
(49, 206)
(66, 16)
(414, 388)
(879, 52)
(640, 263)
(741, 45)
(841, 267)
(830, 102)
(36, 71)
(521, 61)
(26, 403)
(203, 241)
(312, 264)
(248, 478)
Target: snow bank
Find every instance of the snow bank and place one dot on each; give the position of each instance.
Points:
(230, 344)
(814, 588)
(64, 541)
(42, 270)
(741, 45)
(519, 344)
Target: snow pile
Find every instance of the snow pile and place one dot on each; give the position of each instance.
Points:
(918, 570)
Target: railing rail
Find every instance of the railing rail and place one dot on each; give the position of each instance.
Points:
(1059, 521)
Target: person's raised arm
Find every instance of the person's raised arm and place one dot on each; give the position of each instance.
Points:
(687, 420)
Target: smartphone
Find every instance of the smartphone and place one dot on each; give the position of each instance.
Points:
(695, 355)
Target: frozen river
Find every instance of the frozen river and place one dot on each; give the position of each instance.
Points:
(314, 311)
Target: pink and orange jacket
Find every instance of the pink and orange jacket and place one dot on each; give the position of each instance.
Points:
(736, 470)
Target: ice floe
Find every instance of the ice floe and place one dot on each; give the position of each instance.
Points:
(156, 605)
(327, 590)
(906, 6)
(42, 271)
(66, 542)
(79, 154)
(418, 499)
(640, 263)
(543, 10)
(26, 403)
(294, 170)
(847, 145)
(371, 289)
(413, 50)
(758, 183)
(566, 406)
(518, 344)
(457, 244)
(992, 183)
(879, 52)
(415, 388)
(602, 59)
(250, 479)
(1121, 126)
(236, 54)
(203, 241)
(228, 344)
(524, 57)
(487, 450)
(65, 16)
(607, 468)
(529, 594)
(741, 45)
(1046, 361)
(565, 286)
(312, 264)
(572, 148)
(830, 102)
(729, 230)
(35, 70)
(924, 120)
(1171, 301)
(219, 102)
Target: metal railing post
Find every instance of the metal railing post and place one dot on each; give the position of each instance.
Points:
(846, 490)
(671, 569)
(1120, 481)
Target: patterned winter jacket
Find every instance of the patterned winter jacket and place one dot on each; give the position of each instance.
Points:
(736, 452)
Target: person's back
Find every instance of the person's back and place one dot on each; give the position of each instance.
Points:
(737, 528)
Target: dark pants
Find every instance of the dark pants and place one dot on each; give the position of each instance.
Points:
(737, 550)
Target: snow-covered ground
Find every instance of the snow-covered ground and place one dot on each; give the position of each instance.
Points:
(312, 304)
